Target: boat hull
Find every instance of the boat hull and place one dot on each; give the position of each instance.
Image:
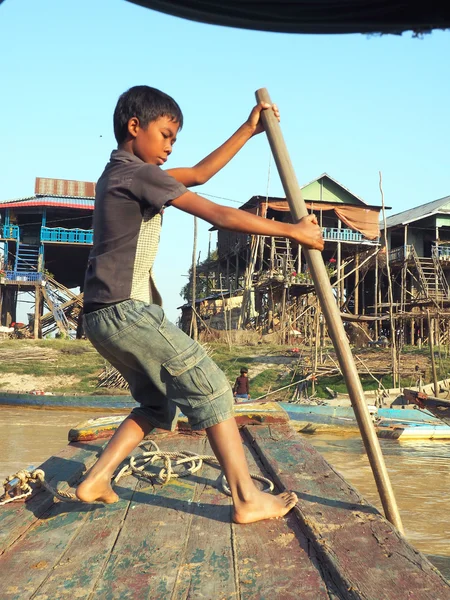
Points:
(178, 540)
(438, 407)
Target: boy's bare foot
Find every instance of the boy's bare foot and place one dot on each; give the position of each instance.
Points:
(96, 490)
(264, 506)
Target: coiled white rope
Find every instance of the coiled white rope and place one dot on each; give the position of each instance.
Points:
(176, 464)
(189, 461)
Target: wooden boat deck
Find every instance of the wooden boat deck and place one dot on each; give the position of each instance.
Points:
(178, 542)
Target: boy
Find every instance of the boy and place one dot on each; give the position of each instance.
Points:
(123, 319)
(241, 388)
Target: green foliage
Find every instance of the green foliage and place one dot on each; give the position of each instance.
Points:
(204, 283)
(269, 379)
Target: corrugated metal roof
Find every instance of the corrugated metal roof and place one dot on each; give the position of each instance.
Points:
(55, 201)
(442, 205)
(17, 199)
(69, 188)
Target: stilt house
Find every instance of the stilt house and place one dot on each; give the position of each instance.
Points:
(46, 242)
(419, 258)
(271, 274)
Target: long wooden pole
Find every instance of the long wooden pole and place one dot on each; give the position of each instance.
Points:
(194, 327)
(332, 316)
(433, 362)
(395, 370)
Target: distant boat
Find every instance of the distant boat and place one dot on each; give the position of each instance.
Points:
(413, 431)
(390, 423)
(439, 408)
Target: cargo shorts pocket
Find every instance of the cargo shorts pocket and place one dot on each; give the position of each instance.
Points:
(190, 376)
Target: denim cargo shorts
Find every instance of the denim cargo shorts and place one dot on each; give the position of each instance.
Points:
(165, 369)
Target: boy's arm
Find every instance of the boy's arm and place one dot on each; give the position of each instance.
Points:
(209, 166)
(306, 232)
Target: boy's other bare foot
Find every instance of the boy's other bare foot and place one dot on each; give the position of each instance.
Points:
(96, 490)
(264, 506)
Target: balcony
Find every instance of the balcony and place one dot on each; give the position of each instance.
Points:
(442, 252)
(60, 235)
(24, 277)
(333, 234)
(9, 232)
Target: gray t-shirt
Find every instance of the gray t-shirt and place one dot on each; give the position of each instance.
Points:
(129, 199)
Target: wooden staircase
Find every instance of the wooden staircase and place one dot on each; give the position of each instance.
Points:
(64, 308)
(433, 283)
(282, 260)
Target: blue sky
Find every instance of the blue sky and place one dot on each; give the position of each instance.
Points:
(351, 106)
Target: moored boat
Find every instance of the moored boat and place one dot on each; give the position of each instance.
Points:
(438, 407)
(413, 431)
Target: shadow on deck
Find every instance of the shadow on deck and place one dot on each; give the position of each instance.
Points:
(177, 541)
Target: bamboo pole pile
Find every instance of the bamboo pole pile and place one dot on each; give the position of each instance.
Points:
(111, 378)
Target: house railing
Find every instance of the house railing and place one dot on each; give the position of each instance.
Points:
(66, 236)
(400, 254)
(441, 252)
(341, 235)
(9, 232)
(23, 276)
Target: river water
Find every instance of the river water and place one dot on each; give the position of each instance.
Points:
(419, 470)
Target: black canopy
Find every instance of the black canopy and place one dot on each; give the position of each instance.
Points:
(312, 16)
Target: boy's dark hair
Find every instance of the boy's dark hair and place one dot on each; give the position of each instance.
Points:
(145, 103)
(244, 370)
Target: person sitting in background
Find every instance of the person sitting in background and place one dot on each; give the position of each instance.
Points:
(241, 387)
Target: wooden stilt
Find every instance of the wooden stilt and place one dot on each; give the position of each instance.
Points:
(37, 311)
(284, 331)
(356, 284)
(340, 299)
(433, 362)
(377, 332)
(9, 303)
(390, 293)
(269, 310)
(363, 296)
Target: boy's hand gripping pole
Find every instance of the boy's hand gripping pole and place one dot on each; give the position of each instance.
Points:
(332, 316)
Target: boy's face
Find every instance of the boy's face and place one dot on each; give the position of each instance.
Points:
(153, 144)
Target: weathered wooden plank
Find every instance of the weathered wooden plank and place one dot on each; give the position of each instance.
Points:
(364, 554)
(25, 565)
(77, 571)
(67, 468)
(31, 559)
(206, 569)
(273, 559)
(146, 557)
